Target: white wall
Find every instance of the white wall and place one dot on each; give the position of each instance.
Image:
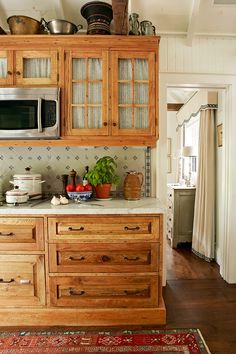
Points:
(171, 133)
(209, 63)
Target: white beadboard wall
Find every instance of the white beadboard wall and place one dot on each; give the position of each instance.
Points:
(208, 62)
(211, 55)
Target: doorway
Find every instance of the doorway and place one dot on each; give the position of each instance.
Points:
(182, 174)
(176, 81)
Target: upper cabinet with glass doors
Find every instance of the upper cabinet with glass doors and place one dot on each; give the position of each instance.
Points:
(112, 96)
(87, 93)
(28, 67)
(133, 94)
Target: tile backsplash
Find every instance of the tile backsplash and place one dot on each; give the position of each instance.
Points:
(52, 162)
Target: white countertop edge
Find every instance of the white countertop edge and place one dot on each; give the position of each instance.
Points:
(116, 206)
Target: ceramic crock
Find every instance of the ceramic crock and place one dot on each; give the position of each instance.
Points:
(133, 185)
(98, 15)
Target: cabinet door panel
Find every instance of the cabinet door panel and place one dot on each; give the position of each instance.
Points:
(22, 280)
(6, 67)
(36, 67)
(133, 93)
(87, 93)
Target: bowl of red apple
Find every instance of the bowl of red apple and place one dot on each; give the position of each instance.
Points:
(80, 192)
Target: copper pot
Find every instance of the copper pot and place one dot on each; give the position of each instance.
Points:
(24, 25)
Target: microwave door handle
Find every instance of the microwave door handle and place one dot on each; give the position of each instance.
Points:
(40, 129)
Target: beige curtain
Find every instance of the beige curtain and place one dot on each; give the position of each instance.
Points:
(203, 242)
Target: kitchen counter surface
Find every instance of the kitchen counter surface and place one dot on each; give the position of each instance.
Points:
(114, 206)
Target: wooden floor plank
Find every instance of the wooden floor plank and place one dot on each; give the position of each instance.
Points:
(196, 296)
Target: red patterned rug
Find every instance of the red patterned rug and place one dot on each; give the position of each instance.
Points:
(181, 341)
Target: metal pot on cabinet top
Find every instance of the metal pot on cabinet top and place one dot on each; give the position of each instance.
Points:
(57, 26)
(98, 15)
(24, 25)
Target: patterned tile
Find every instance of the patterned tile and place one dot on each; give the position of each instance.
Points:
(52, 162)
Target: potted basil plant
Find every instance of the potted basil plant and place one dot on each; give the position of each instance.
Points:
(102, 176)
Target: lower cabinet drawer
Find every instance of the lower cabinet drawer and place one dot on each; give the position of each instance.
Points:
(22, 280)
(103, 257)
(21, 234)
(104, 291)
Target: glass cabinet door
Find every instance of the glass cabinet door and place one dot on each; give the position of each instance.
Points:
(133, 97)
(6, 67)
(88, 96)
(36, 67)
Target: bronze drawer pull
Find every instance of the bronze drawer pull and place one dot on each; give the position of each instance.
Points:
(6, 234)
(132, 228)
(6, 281)
(131, 259)
(76, 259)
(105, 258)
(73, 292)
(74, 229)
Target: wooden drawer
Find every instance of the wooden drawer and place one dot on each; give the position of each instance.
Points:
(21, 234)
(104, 291)
(110, 228)
(104, 257)
(22, 280)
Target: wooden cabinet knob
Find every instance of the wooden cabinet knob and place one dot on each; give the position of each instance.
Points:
(9, 72)
(105, 258)
(114, 124)
(105, 124)
(18, 73)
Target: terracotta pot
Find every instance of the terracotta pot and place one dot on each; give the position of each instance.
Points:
(103, 190)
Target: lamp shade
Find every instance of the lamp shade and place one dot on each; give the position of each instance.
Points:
(187, 151)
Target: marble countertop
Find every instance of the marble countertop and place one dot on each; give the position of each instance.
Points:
(114, 206)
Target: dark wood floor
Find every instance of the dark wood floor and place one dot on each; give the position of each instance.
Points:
(197, 297)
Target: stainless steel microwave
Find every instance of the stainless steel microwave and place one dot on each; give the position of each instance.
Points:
(29, 113)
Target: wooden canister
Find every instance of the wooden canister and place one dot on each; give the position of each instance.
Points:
(133, 185)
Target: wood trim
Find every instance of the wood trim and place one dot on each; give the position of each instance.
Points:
(174, 107)
(83, 317)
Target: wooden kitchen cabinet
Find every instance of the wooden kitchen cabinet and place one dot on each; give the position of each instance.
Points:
(28, 67)
(111, 93)
(107, 263)
(93, 270)
(108, 85)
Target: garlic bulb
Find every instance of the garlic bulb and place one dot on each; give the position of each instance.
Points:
(63, 200)
(55, 201)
